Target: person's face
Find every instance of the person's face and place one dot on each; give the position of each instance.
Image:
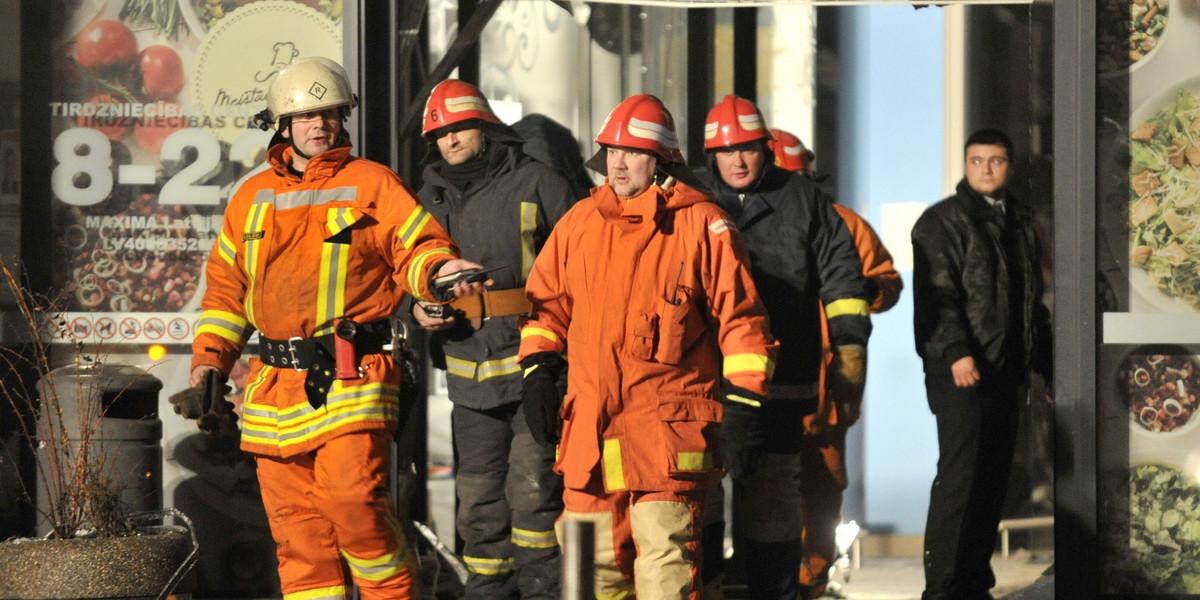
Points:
(740, 165)
(458, 147)
(630, 172)
(315, 132)
(987, 168)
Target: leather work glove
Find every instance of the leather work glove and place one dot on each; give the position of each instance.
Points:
(845, 381)
(207, 404)
(743, 430)
(540, 397)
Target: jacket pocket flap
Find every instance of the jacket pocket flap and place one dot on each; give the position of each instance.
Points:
(689, 408)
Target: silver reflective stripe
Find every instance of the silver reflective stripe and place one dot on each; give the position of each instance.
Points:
(300, 198)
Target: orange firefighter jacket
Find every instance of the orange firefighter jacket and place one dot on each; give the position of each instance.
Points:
(346, 238)
(879, 270)
(651, 298)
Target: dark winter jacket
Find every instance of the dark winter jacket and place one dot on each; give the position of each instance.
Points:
(962, 300)
(800, 253)
(500, 220)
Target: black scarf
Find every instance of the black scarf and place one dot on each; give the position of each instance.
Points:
(462, 175)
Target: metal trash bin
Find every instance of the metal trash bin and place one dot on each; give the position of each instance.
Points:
(118, 405)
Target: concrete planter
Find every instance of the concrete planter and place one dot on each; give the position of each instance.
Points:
(149, 564)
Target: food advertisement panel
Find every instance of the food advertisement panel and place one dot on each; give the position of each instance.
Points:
(1148, 169)
(151, 120)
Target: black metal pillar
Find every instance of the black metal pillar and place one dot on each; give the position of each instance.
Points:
(745, 53)
(701, 28)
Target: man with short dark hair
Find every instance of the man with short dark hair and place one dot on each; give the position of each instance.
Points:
(980, 327)
(499, 205)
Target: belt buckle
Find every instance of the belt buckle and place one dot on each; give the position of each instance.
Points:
(292, 351)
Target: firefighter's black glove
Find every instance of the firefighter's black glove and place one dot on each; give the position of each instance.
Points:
(743, 431)
(540, 397)
(207, 404)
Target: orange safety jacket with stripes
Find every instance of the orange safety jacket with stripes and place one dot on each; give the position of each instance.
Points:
(651, 299)
(345, 238)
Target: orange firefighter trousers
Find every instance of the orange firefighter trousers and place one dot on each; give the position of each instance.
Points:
(332, 504)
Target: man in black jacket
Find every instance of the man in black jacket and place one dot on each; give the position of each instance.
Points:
(801, 254)
(980, 327)
(499, 206)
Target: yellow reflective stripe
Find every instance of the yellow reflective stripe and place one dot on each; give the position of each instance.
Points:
(749, 363)
(226, 250)
(293, 425)
(412, 227)
(847, 306)
(377, 569)
(331, 293)
(694, 461)
(338, 219)
(488, 566)
(460, 368)
(614, 472)
(527, 538)
(529, 331)
(528, 229)
(337, 592)
(498, 368)
(417, 266)
(624, 594)
(743, 400)
(253, 234)
(226, 325)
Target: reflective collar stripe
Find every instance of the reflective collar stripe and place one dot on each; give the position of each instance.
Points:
(528, 229)
(847, 306)
(226, 325)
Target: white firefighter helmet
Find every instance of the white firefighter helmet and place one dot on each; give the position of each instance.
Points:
(308, 84)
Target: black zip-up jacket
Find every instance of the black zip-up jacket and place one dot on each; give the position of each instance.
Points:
(801, 252)
(500, 219)
(962, 302)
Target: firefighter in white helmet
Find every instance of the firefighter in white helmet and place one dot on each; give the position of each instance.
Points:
(315, 253)
(499, 205)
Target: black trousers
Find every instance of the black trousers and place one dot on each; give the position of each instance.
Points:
(977, 431)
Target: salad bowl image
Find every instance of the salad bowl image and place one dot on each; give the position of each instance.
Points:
(1161, 387)
(1129, 33)
(1164, 199)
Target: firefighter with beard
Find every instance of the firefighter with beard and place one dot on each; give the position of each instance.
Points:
(499, 205)
(644, 286)
(801, 255)
(316, 253)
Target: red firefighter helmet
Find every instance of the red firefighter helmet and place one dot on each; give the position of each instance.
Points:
(453, 101)
(644, 123)
(790, 152)
(734, 121)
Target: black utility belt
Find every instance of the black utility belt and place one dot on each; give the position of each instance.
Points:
(305, 353)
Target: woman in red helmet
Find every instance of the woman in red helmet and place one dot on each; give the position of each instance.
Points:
(645, 286)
